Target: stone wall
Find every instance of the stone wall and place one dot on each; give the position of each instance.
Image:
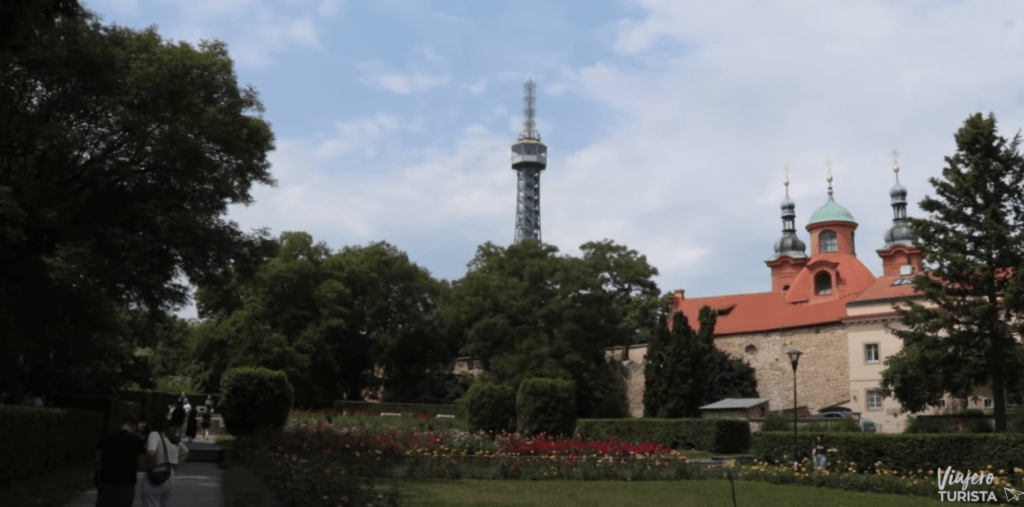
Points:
(823, 375)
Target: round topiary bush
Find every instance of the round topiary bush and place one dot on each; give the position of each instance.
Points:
(255, 399)
(490, 407)
(546, 405)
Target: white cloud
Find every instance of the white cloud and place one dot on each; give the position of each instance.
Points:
(356, 135)
(328, 8)
(414, 80)
(478, 87)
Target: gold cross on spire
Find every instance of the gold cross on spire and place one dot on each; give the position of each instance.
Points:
(895, 161)
(787, 175)
(828, 163)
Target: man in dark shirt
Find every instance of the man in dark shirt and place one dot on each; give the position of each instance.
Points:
(119, 458)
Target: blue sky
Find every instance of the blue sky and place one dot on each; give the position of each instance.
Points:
(668, 122)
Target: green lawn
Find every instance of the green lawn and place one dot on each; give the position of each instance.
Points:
(630, 494)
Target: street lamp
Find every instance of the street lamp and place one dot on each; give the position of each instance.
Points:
(794, 358)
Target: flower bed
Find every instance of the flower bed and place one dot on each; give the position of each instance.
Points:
(883, 479)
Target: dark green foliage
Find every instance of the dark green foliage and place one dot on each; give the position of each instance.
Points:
(971, 241)
(685, 370)
(775, 421)
(918, 425)
(844, 425)
(35, 441)
(1017, 421)
(491, 408)
(545, 405)
(120, 154)
(901, 452)
(255, 399)
(528, 312)
(328, 319)
(715, 435)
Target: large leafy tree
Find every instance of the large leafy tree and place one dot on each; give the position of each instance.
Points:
(526, 311)
(973, 244)
(119, 156)
(685, 371)
(331, 320)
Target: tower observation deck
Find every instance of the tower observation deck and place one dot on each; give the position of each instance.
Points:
(529, 158)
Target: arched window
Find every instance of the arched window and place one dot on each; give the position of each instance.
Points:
(751, 349)
(823, 283)
(785, 287)
(827, 241)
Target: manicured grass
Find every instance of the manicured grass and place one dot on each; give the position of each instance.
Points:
(630, 494)
(54, 489)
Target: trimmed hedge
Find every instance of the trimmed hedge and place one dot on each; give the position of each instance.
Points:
(491, 408)
(546, 405)
(901, 452)
(113, 409)
(34, 441)
(405, 408)
(255, 399)
(726, 436)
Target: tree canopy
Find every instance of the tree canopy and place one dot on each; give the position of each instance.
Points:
(973, 246)
(119, 156)
(525, 311)
(336, 322)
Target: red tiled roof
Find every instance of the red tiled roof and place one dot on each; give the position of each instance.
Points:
(797, 307)
(884, 289)
(853, 277)
(763, 311)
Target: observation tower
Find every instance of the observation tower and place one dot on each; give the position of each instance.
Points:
(529, 158)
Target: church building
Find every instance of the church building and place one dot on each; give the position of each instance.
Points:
(825, 303)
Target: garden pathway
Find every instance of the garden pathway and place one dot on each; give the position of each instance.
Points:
(195, 484)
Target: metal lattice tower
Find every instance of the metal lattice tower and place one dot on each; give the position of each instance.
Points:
(529, 158)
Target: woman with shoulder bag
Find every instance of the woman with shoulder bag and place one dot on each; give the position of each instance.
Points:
(164, 452)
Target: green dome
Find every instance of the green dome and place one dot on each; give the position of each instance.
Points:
(831, 212)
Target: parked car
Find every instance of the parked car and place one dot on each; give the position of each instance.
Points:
(834, 414)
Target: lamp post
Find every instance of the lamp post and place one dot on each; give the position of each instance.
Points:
(794, 358)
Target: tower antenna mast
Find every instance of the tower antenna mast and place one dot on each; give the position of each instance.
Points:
(529, 158)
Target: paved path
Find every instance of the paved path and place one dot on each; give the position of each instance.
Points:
(195, 484)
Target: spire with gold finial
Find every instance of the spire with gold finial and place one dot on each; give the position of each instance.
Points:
(831, 211)
(789, 245)
(900, 231)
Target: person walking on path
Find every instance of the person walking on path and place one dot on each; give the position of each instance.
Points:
(164, 452)
(209, 403)
(206, 423)
(819, 453)
(119, 457)
(190, 424)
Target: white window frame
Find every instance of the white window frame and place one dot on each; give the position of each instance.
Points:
(877, 396)
(867, 356)
(988, 403)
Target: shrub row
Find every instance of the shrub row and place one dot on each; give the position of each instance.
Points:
(414, 408)
(113, 409)
(900, 452)
(724, 436)
(34, 441)
(542, 406)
